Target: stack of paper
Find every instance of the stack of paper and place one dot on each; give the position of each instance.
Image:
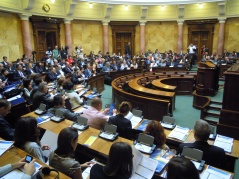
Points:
(144, 167)
(134, 119)
(4, 146)
(224, 142)
(214, 173)
(143, 125)
(157, 155)
(179, 133)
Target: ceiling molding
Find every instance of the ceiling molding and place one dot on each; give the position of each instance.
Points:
(152, 2)
(70, 7)
(108, 10)
(221, 8)
(28, 4)
(181, 11)
(144, 12)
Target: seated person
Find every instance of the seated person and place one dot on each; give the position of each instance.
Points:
(155, 129)
(41, 96)
(75, 99)
(27, 138)
(18, 74)
(124, 126)
(106, 69)
(119, 164)
(61, 159)
(51, 75)
(29, 168)
(27, 84)
(59, 104)
(96, 117)
(181, 167)
(212, 155)
(6, 131)
(36, 82)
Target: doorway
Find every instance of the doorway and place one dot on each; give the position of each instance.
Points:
(121, 41)
(200, 32)
(200, 38)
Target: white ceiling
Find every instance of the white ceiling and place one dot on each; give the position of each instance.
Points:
(151, 2)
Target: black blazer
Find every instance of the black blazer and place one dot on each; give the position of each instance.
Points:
(40, 97)
(66, 70)
(50, 77)
(6, 131)
(124, 126)
(16, 76)
(37, 69)
(212, 155)
(74, 78)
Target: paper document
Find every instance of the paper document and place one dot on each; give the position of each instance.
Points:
(170, 126)
(4, 146)
(214, 173)
(144, 167)
(49, 138)
(179, 133)
(134, 119)
(224, 142)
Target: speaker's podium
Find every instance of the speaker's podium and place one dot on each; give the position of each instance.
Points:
(207, 79)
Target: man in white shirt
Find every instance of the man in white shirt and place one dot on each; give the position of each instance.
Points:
(191, 51)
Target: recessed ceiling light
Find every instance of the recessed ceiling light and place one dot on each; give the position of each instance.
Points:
(90, 5)
(126, 7)
(162, 7)
(201, 5)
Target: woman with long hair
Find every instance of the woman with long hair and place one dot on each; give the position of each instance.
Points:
(27, 137)
(119, 165)
(61, 159)
(155, 129)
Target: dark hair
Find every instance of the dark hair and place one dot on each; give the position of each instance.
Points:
(3, 70)
(57, 100)
(120, 160)
(26, 82)
(4, 103)
(60, 82)
(181, 168)
(26, 130)
(17, 65)
(68, 85)
(37, 81)
(155, 129)
(65, 137)
(124, 107)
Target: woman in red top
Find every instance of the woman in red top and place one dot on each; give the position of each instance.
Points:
(70, 60)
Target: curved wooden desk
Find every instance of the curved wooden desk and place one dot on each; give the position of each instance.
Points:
(152, 108)
(180, 85)
(137, 89)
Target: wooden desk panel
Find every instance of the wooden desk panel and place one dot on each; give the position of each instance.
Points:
(15, 154)
(157, 94)
(96, 82)
(116, 74)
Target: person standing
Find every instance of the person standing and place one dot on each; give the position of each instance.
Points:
(127, 50)
(191, 51)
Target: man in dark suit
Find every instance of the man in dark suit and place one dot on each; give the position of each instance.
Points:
(18, 74)
(124, 126)
(67, 69)
(212, 155)
(127, 50)
(87, 71)
(51, 75)
(41, 96)
(6, 131)
(4, 62)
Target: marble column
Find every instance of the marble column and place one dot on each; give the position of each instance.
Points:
(142, 37)
(106, 36)
(26, 35)
(68, 35)
(180, 36)
(220, 43)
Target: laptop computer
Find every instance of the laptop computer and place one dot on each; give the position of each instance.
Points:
(41, 109)
(58, 117)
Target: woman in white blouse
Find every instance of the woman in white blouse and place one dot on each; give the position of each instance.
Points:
(75, 99)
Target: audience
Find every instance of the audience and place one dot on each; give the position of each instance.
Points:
(124, 126)
(181, 168)
(6, 131)
(119, 165)
(212, 155)
(59, 104)
(27, 84)
(96, 117)
(61, 159)
(155, 129)
(27, 138)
